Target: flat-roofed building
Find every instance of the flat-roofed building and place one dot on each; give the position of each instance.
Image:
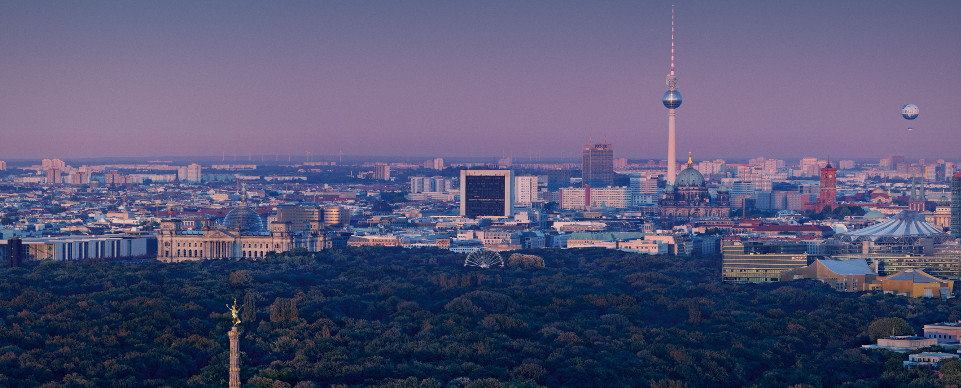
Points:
(760, 261)
(583, 198)
(525, 190)
(68, 248)
(956, 205)
(928, 360)
(943, 332)
(600, 239)
(650, 247)
(300, 218)
(369, 241)
(334, 215)
(597, 165)
(486, 193)
(902, 343)
(382, 172)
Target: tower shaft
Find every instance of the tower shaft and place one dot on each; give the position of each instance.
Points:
(672, 100)
(671, 153)
(234, 357)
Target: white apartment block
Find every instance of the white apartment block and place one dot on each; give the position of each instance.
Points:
(584, 198)
(525, 190)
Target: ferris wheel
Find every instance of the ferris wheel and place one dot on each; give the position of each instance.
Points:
(484, 259)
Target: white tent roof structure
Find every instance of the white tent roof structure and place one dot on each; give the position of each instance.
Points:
(908, 225)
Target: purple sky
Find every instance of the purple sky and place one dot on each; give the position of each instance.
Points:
(477, 78)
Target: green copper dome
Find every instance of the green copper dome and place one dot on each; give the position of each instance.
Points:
(689, 177)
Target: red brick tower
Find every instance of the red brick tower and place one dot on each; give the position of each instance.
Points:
(828, 195)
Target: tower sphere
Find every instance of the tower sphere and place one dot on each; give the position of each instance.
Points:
(671, 99)
(909, 111)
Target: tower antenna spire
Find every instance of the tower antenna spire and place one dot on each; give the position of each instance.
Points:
(672, 39)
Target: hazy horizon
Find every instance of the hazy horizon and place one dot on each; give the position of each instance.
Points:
(353, 159)
(421, 79)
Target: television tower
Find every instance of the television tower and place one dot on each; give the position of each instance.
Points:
(671, 100)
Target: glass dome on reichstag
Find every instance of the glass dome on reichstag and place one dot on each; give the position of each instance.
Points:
(244, 219)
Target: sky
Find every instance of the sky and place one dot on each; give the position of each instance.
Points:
(484, 78)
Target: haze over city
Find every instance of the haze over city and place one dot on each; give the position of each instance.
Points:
(471, 194)
(492, 78)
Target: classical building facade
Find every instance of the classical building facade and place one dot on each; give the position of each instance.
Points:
(240, 235)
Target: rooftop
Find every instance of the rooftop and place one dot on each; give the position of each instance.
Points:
(914, 276)
(906, 224)
(848, 267)
(950, 324)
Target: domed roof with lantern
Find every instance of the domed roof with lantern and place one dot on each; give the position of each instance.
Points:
(689, 177)
(243, 218)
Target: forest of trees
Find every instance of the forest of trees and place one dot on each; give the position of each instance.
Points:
(418, 318)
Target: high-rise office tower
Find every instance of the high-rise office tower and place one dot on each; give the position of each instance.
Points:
(597, 165)
(334, 215)
(300, 218)
(671, 100)
(956, 205)
(486, 193)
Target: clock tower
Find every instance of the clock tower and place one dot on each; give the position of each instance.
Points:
(828, 195)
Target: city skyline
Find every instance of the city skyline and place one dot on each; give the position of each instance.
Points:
(418, 79)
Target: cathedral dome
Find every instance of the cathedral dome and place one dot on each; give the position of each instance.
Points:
(243, 218)
(689, 177)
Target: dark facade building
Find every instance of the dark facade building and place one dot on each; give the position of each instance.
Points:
(760, 261)
(486, 193)
(14, 252)
(956, 205)
(597, 165)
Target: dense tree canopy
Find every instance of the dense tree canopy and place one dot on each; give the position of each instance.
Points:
(398, 317)
(887, 327)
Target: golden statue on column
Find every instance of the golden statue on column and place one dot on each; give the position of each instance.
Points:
(234, 312)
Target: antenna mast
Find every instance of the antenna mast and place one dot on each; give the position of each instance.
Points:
(672, 40)
(671, 79)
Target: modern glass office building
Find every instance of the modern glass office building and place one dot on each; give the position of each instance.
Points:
(486, 193)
